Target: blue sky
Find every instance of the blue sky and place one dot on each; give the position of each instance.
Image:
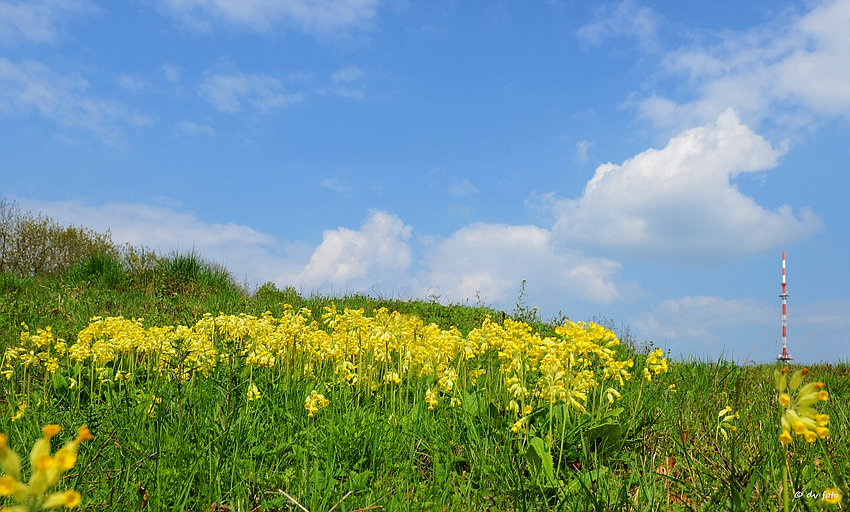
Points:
(643, 161)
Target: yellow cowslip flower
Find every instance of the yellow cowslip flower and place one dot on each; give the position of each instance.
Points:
(519, 424)
(314, 402)
(47, 470)
(154, 400)
(798, 415)
(513, 406)
(22, 407)
(474, 374)
(832, 495)
(432, 398)
(7, 485)
(724, 421)
(253, 392)
(69, 499)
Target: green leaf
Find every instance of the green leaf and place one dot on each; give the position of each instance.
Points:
(320, 480)
(59, 382)
(358, 481)
(540, 460)
(472, 404)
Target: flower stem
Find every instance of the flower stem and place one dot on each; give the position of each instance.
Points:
(786, 477)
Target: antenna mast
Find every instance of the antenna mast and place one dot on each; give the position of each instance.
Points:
(784, 356)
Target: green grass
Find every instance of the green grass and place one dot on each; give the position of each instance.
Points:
(204, 445)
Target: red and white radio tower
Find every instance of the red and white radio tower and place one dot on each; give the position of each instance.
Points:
(784, 356)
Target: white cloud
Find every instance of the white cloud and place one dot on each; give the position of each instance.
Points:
(699, 317)
(133, 85)
(582, 147)
(230, 93)
(323, 17)
(747, 327)
(491, 260)
(833, 314)
(344, 81)
(38, 21)
(461, 188)
(336, 185)
(377, 253)
(627, 19)
(62, 98)
(789, 72)
(190, 128)
(347, 74)
(677, 203)
(171, 72)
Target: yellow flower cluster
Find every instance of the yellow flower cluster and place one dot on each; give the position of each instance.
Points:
(47, 469)
(383, 350)
(40, 350)
(655, 363)
(798, 414)
(314, 402)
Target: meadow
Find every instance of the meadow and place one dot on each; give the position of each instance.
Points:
(197, 395)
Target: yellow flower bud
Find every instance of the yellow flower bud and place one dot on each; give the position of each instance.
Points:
(796, 380)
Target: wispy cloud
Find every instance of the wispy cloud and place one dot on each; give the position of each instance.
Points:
(677, 203)
(336, 185)
(171, 72)
(347, 83)
(231, 93)
(322, 17)
(39, 21)
(626, 19)
(582, 147)
(698, 317)
(30, 85)
(461, 188)
(133, 84)
(347, 74)
(191, 128)
(745, 327)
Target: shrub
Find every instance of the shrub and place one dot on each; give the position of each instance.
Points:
(37, 245)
